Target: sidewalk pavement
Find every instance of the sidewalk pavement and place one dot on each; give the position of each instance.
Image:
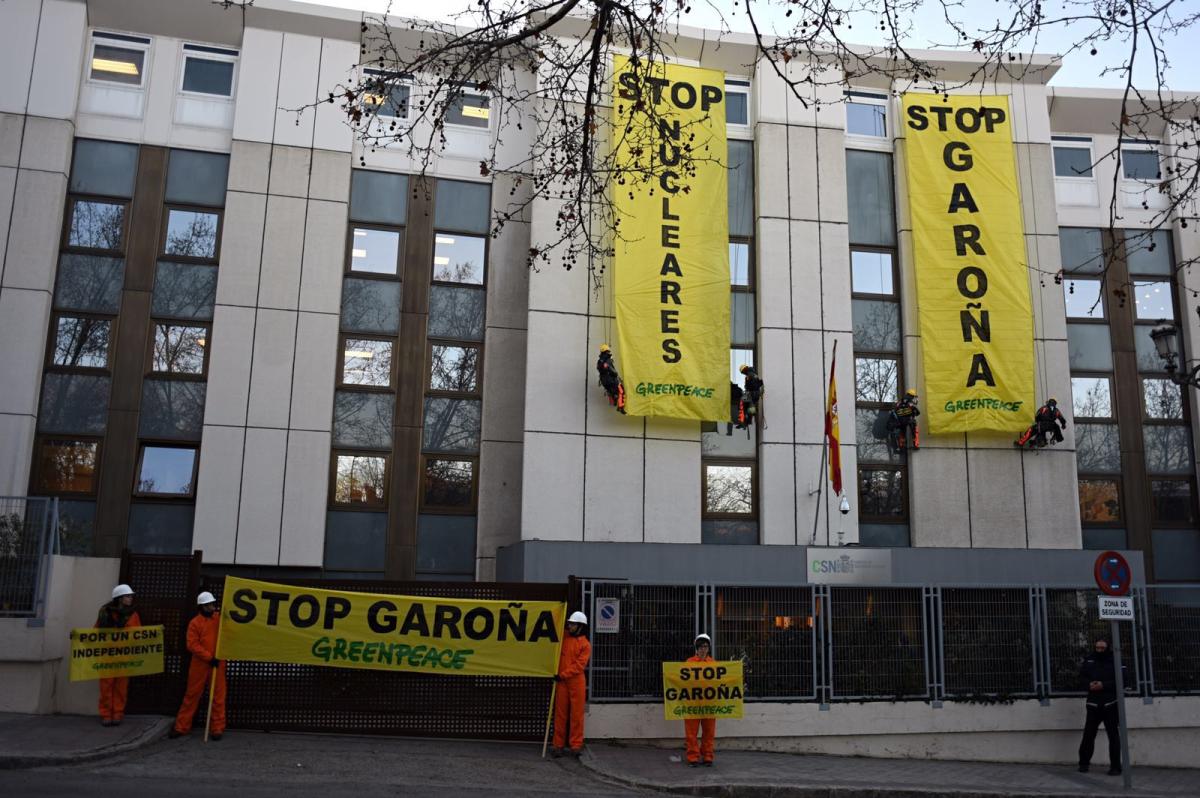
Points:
(35, 740)
(748, 774)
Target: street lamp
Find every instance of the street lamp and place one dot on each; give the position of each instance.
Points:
(1166, 343)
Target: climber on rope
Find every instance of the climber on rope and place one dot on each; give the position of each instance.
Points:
(752, 393)
(610, 380)
(1045, 424)
(902, 423)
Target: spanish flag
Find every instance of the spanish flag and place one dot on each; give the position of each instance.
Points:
(832, 433)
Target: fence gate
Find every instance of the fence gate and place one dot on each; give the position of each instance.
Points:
(27, 538)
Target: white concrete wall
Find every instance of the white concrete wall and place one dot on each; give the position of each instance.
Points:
(1162, 734)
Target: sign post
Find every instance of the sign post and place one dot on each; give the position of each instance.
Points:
(1113, 577)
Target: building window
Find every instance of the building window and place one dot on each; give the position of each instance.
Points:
(866, 114)
(81, 342)
(118, 59)
(376, 250)
(449, 485)
(1091, 397)
(387, 94)
(1153, 300)
(166, 471)
(454, 368)
(1072, 156)
(1162, 399)
(1139, 160)
(1099, 501)
(459, 258)
(191, 234)
(872, 272)
(359, 480)
(469, 108)
(1083, 298)
(881, 494)
(728, 489)
(66, 466)
(737, 102)
(208, 70)
(366, 361)
(96, 225)
(877, 380)
(179, 349)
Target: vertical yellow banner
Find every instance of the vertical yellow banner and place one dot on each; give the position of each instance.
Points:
(671, 281)
(972, 272)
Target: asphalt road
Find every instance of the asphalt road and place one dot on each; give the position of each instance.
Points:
(254, 765)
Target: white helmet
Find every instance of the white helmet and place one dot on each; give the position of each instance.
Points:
(704, 637)
(577, 617)
(122, 590)
(205, 598)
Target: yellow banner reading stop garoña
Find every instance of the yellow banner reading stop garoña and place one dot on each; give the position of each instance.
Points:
(702, 690)
(971, 266)
(267, 622)
(108, 653)
(671, 264)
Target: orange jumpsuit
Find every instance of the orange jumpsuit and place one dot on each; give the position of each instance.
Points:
(202, 644)
(571, 695)
(114, 692)
(697, 748)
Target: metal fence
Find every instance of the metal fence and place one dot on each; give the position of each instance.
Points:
(928, 643)
(28, 536)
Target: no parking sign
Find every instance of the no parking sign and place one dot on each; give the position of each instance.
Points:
(608, 615)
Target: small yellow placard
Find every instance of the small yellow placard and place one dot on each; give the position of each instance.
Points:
(107, 653)
(475, 111)
(702, 690)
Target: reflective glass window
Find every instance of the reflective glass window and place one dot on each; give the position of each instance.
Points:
(885, 535)
(723, 439)
(208, 76)
(469, 110)
(97, 225)
(739, 264)
(172, 409)
(74, 404)
(1147, 352)
(448, 484)
(117, 64)
(1102, 539)
(871, 272)
(1081, 249)
(66, 466)
(1153, 301)
(456, 313)
(741, 318)
(866, 119)
(451, 425)
(1072, 161)
(876, 379)
(458, 258)
(108, 168)
(870, 436)
(1163, 399)
(876, 325)
(157, 528)
(371, 306)
(1099, 501)
(729, 531)
(378, 197)
(166, 471)
(360, 479)
(1168, 448)
(1089, 347)
(81, 342)
(366, 361)
(191, 234)
(454, 368)
(737, 359)
(184, 290)
(363, 420)
(463, 206)
(1140, 164)
(1176, 554)
(881, 493)
(90, 283)
(446, 545)
(737, 103)
(741, 187)
(728, 489)
(179, 349)
(869, 189)
(1148, 251)
(388, 97)
(197, 178)
(1091, 397)
(1084, 299)
(1097, 448)
(355, 540)
(1172, 500)
(376, 251)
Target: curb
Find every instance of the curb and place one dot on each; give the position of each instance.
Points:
(588, 761)
(148, 735)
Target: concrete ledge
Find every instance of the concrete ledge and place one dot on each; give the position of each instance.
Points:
(28, 741)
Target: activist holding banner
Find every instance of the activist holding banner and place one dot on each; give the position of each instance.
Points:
(114, 692)
(570, 697)
(202, 634)
(708, 689)
(691, 726)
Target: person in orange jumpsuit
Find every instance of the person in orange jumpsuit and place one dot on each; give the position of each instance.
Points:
(202, 645)
(700, 751)
(116, 614)
(571, 695)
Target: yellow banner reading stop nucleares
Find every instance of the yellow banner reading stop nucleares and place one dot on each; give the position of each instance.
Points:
(971, 266)
(702, 690)
(108, 653)
(671, 283)
(268, 622)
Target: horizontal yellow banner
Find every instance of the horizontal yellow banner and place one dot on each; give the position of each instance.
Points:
(106, 653)
(267, 622)
(702, 690)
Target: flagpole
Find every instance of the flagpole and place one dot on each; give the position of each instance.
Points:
(821, 474)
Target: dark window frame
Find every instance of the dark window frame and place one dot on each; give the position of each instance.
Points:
(333, 504)
(430, 391)
(1112, 397)
(894, 296)
(48, 363)
(393, 376)
(35, 487)
(1072, 277)
(487, 254)
(751, 266)
(162, 238)
(349, 271)
(75, 199)
(163, 443)
(148, 368)
(1115, 479)
(1160, 523)
(733, 462)
(437, 509)
(902, 469)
